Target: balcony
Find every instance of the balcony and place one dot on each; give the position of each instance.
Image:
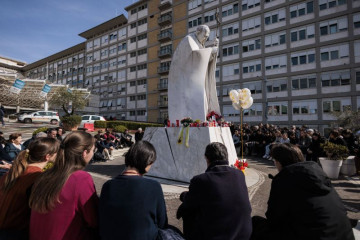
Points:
(163, 69)
(162, 103)
(165, 20)
(162, 86)
(164, 53)
(165, 36)
(165, 4)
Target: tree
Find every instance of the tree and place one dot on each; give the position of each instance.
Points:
(63, 98)
(348, 119)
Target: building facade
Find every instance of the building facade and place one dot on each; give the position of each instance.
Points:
(300, 59)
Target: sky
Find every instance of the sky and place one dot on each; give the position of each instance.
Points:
(34, 29)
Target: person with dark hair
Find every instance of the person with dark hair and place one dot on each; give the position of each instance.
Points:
(60, 133)
(335, 138)
(217, 204)
(132, 207)
(52, 133)
(302, 203)
(14, 187)
(13, 147)
(139, 135)
(315, 151)
(63, 201)
(126, 139)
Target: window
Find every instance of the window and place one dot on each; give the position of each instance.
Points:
(277, 109)
(122, 46)
(231, 70)
(230, 50)
(279, 85)
(133, 69)
(333, 26)
(142, 66)
(302, 58)
(301, 9)
(141, 82)
(142, 7)
(142, 51)
(325, 4)
(332, 79)
(194, 4)
(334, 52)
(142, 36)
(132, 98)
(231, 29)
(133, 11)
(104, 53)
(358, 77)
(133, 54)
(121, 60)
(252, 66)
(251, 45)
(251, 23)
(275, 62)
(275, 39)
(302, 33)
(142, 21)
(304, 107)
(254, 87)
(356, 18)
(209, 16)
(194, 22)
(274, 17)
(141, 112)
(230, 10)
(303, 82)
(132, 113)
(132, 83)
(141, 97)
(133, 25)
(248, 4)
(228, 88)
(133, 40)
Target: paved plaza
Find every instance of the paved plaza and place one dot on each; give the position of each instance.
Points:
(258, 182)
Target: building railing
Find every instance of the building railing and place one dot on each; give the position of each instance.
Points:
(163, 69)
(164, 52)
(162, 86)
(165, 19)
(165, 36)
(162, 103)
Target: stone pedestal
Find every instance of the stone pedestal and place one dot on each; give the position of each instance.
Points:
(180, 163)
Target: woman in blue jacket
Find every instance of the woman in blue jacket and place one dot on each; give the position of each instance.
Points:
(14, 146)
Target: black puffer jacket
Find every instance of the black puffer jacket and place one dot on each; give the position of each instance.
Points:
(304, 205)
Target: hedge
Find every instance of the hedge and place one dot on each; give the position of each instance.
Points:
(71, 121)
(42, 129)
(120, 128)
(127, 124)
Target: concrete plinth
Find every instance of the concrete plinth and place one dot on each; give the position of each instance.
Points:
(180, 163)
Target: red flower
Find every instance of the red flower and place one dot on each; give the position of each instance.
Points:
(245, 164)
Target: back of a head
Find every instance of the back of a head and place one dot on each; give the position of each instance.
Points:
(216, 152)
(36, 153)
(140, 155)
(286, 154)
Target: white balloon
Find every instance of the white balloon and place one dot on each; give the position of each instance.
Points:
(247, 104)
(237, 106)
(246, 93)
(234, 96)
(241, 95)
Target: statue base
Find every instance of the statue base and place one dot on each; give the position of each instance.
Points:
(178, 162)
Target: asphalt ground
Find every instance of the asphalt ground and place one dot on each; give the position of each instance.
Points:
(348, 187)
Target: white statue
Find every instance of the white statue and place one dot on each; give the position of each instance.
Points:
(192, 83)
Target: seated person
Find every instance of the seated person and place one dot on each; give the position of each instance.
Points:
(117, 140)
(13, 147)
(302, 203)
(109, 135)
(126, 139)
(139, 135)
(213, 209)
(107, 147)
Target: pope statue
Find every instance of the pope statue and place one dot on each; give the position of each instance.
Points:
(192, 84)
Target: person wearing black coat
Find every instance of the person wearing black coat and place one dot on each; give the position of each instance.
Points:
(336, 138)
(302, 202)
(217, 204)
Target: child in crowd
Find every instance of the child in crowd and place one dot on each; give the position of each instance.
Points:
(63, 201)
(14, 187)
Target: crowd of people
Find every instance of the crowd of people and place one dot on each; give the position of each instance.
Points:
(61, 202)
(259, 139)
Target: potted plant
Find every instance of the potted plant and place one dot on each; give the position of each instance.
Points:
(71, 122)
(335, 155)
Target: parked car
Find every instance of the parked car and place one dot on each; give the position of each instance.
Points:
(90, 119)
(40, 117)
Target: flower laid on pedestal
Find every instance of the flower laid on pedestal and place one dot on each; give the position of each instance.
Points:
(241, 165)
(186, 122)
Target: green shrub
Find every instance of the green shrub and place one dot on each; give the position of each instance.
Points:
(120, 128)
(71, 121)
(42, 129)
(335, 151)
(100, 124)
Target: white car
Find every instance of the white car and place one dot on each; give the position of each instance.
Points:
(40, 117)
(90, 119)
